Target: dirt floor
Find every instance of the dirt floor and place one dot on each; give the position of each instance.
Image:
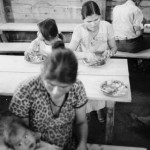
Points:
(124, 132)
(127, 132)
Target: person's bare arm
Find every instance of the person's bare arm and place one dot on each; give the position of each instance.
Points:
(82, 128)
(138, 30)
(112, 46)
(112, 49)
(73, 46)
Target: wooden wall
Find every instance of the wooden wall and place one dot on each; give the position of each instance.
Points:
(144, 6)
(62, 10)
(36, 10)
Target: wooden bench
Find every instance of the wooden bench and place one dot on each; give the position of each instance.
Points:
(15, 47)
(63, 27)
(19, 28)
(112, 147)
(20, 47)
(145, 54)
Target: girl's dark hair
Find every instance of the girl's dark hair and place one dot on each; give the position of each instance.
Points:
(61, 36)
(89, 8)
(58, 44)
(48, 28)
(60, 65)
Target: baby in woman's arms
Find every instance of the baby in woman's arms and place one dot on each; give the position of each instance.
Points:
(18, 136)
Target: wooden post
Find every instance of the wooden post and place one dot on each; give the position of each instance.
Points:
(110, 121)
(2, 12)
(104, 3)
(2, 20)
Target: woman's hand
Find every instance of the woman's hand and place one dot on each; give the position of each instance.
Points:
(107, 54)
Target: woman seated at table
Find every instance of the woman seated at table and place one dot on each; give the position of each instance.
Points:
(47, 35)
(54, 103)
(95, 39)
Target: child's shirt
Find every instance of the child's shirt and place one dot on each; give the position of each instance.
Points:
(37, 47)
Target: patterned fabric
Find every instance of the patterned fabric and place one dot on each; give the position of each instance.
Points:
(98, 43)
(38, 46)
(32, 100)
(125, 17)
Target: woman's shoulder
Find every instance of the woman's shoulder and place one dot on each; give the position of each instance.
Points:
(29, 83)
(105, 26)
(80, 27)
(104, 23)
(78, 84)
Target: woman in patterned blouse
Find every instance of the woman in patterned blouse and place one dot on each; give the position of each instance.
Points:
(54, 103)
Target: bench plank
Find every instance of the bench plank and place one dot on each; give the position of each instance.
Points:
(17, 47)
(13, 47)
(145, 54)
(112, 147)
(62, 27)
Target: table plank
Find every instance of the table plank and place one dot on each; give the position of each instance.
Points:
(10, 80)
(19, 64)
(112, 67)
(93, 83)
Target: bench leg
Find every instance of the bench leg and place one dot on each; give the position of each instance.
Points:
(109, 121)
(3, 37)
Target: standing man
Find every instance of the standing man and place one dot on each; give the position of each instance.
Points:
(128, 27)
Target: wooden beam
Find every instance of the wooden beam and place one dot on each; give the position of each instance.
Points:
(110, 121)
(2, 12)
(104, 3)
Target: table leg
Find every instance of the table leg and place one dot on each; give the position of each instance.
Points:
(109, 121)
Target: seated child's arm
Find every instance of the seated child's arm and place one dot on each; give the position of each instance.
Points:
(33, 48)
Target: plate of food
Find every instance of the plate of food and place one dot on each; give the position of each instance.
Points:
(114, 88)
(96, 63)
(35, 58)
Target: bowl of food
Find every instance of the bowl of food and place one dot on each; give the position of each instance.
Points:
(114, 88)
(35, 58)
(96, 63)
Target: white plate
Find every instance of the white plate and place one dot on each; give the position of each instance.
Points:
(114, 88)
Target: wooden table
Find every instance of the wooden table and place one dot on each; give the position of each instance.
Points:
(14, 69)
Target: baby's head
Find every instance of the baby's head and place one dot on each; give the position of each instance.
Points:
(18, 136)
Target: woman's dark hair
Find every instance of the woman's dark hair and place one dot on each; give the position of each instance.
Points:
(60, 65)
(89, 8)
(48, 29)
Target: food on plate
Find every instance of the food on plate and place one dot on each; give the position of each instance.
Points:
(35, 58)
(94, 63)
(114, 88)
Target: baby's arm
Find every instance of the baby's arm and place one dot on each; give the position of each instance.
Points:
(47, 146)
